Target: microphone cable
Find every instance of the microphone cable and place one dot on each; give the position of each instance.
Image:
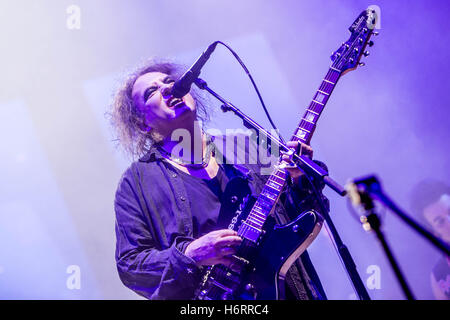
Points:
(254, 86)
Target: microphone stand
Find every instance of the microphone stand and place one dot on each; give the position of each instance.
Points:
(312, 169)
(372, 185)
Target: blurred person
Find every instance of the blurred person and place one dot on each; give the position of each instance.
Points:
(431, 201)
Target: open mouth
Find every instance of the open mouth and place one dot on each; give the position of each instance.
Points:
(175, 102)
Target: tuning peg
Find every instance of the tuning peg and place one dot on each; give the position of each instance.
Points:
(361, 64)
(371, 43)
(366, 53)
(375, 33)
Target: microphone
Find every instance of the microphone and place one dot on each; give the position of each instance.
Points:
(182, 86)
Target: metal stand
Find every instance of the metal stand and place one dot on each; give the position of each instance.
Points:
(372, 186)
(375, 225)
(362, 192)
(311, 169)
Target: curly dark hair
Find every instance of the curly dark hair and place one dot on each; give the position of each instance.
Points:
(127, 120)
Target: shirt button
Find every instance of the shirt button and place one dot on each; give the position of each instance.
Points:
(174, 175)
(183, 198)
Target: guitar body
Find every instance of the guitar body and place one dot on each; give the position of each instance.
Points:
(280, 246)
(262, 267)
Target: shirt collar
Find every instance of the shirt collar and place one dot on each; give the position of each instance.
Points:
(154, 153)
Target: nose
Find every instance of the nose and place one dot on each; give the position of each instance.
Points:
(166, 90)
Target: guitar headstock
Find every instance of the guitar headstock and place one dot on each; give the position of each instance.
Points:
(349, 54)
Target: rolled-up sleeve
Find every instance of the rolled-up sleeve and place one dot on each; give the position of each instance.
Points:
(153, 272)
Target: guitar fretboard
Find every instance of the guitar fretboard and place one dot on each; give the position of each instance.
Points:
(309, 120)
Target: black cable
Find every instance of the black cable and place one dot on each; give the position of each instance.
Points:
(254, 85)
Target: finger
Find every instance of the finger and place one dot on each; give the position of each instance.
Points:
(224, 232)
(292, 144)
(300, 148)
(227, 251)
(228, 241)
(305, 150)
(287, 155)
(229, 261)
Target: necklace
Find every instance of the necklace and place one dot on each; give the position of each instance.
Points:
(181, 162)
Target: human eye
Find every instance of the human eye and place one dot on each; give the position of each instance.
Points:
(149, 92)
(168, 80)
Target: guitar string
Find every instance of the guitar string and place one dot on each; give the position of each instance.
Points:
(338, 64)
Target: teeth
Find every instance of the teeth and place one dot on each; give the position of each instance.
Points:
(175, 101)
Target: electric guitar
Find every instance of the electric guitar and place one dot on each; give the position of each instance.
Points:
(269, 249)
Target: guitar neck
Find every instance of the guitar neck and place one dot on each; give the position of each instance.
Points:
(251, 228)
(307, 125)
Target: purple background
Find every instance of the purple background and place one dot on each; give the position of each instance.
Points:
(60, 168)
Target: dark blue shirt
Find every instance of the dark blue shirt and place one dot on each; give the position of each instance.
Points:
(205, 212)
